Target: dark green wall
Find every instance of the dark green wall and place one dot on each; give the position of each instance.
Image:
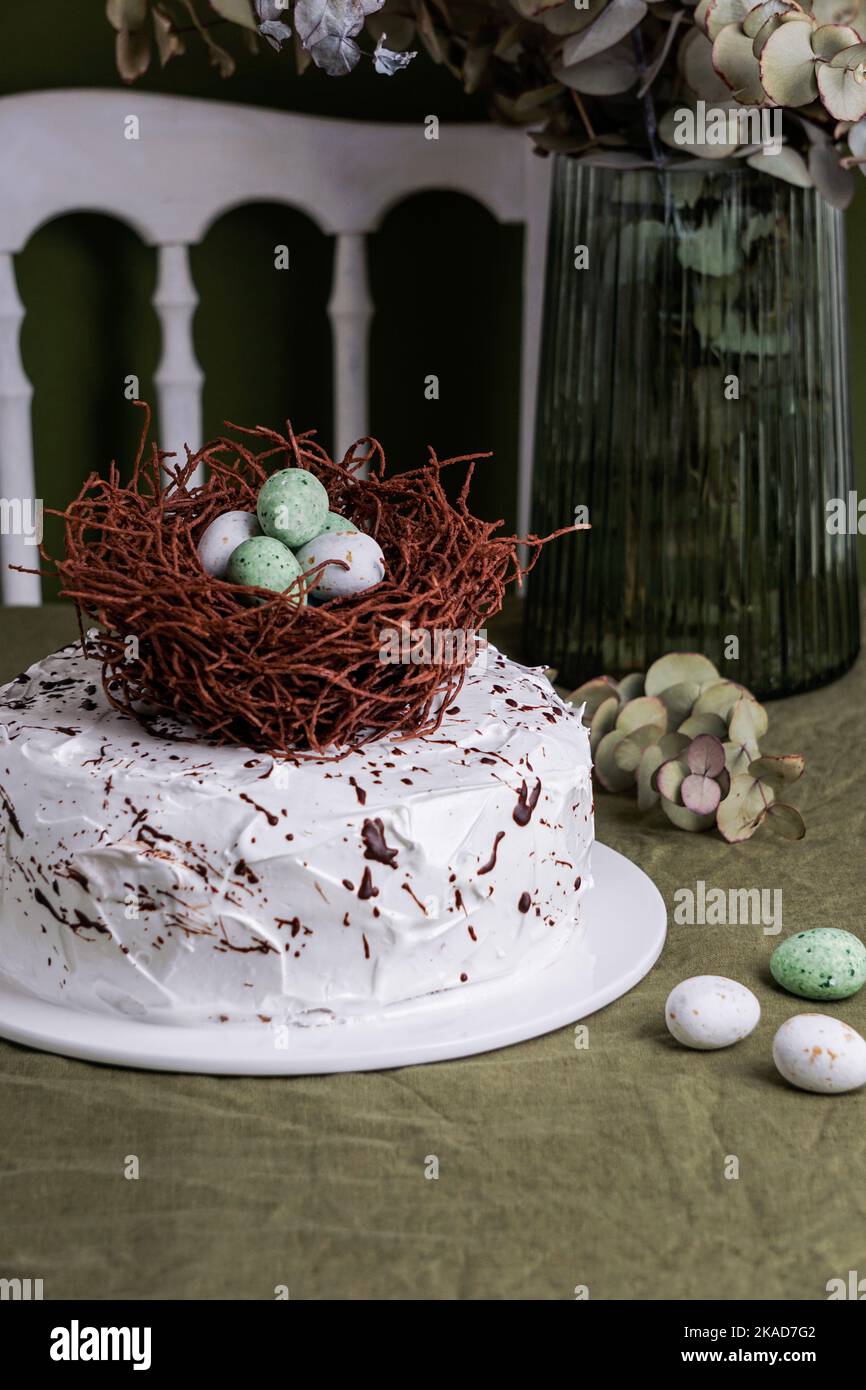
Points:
(445, 278)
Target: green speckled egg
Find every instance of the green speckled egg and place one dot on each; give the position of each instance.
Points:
(264, 562)
(335, 522)
(824, 963)
(292, 507)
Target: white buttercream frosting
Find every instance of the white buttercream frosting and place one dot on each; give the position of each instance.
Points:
(163, 877)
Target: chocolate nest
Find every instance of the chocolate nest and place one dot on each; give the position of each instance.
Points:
(280, 677)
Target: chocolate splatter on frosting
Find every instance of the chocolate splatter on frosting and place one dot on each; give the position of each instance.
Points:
(526, 803)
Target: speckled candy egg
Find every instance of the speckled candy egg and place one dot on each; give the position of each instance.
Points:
(819, 1053)
(362, 555)
(263, 562)
(824, 963)
(335, 522)
(292, 507)
(710, 1011)
(223, 536)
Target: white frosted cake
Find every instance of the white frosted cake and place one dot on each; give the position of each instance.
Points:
(162, 877)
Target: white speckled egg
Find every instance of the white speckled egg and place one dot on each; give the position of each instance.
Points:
(710, 1011)
(224, 534)
(820, 1053)
(358, 551)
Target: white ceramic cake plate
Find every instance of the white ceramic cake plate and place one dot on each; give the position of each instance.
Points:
(626, 925)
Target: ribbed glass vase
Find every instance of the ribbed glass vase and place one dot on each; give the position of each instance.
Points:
(693, 396)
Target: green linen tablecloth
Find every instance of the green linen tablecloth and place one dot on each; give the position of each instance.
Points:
(558, 1166)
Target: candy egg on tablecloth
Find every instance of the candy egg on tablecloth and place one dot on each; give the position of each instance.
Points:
(711, 1011)
(264, 563)
(361, 563)
(822, 963)
(223, 536)
(292, 507)
(821, 1053)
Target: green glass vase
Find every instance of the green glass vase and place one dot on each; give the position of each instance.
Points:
(693, 398)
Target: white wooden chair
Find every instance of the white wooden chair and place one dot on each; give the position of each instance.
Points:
(190, 161)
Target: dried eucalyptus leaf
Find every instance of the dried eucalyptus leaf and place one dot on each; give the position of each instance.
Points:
(852, 56)
(627, 754)
(606, 75)
(679, 701)
(830, 39)
(670, 777)
(679, 667)
(644, 710)
(734, 58)
(842, 88)
(558, 142)
(757, 18)
(675, 124)
(684, 819)
(721, 13)
(719, 697)
(132, 53)
(787, 64)
(126, 14)
(673, 744)
(786, 820)
(614, 159)
(475, 63)
(835, 183)
(857, 144)
(631, 686)
(169, 44)
(738, 758)
(537, 97)
(698, 724)
(236, 12)
(706, 756)
(617, 19)
(743, 809)
(786, 767)
(695, 62)
(612, 778)
(566, 18)
(770, 25)
(700, 14)
(534, 9)
(651, 760)
(430, 36)
(837, 11)
(700, 794)
(603, 721)
(508, 45)
(786, 164)
(593, 694)
(749, 721)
